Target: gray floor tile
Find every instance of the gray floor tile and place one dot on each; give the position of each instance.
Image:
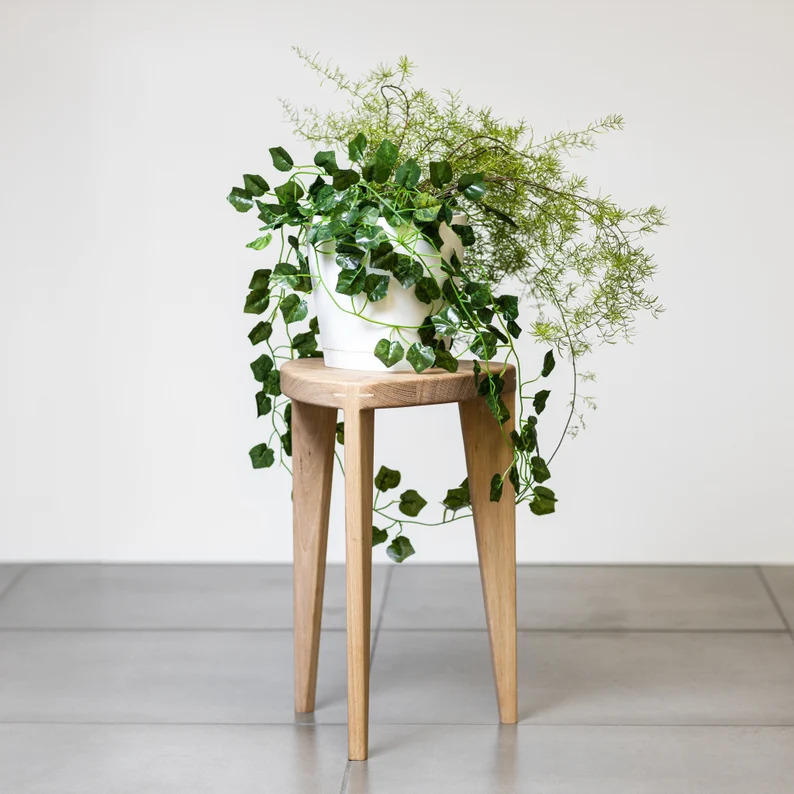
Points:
(781, 581)
(159, 759)
(591, 678)
(169, 596)
(7, 575)
(162, 677)
(586, 598)
(575, 760)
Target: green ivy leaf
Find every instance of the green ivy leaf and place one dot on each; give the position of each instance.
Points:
(315, 187)
(465, 233)
(365, 214)
(472, 186)
(356, 148)
(285, 275)
(427, 331)
(304, 344)
(478, 293)
(255, 185)
(499, 214)
(446, 361)
(263, 403)
(543, 502)
(293, 309)
(351, 282)
(540, 471)
(497, 485)
(492, 383)
(400, 549)
(440, 173)
(272, 384)
(270, 213)
(427, 289)
(407, 271)
(386, 156)
(260, 279)
(539, 400)
(281, 159)
(370, 237)
(345, 178)
(326, 161)
(459, 497)
(240, 199)
(257, 301)
(260, 333)
(514, 478)
(389, 353)
(548, 364)
(498, 408)
(387, 478)
(426, 214)
(262, 457)
(420, 357)
(325, 198)
(447, 322)
(261, 367)
(260, 242)
(289, 191)
(411, 503)
(376, 286)
(379, 536)
(514, 329)
(529, 433)
(349, 257)
(408, 174)
(340, 432)
(383, 257)
(507, 305)
(498, 334)
(286, 442)
(484, 345)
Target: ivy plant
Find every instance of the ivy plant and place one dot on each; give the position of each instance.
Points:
(398, 154)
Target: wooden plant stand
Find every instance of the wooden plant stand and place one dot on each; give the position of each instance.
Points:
(317, 393)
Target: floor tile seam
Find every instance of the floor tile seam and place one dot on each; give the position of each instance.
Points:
(770, 591)
(378, 630)
(18, 576)
(524, 724)
(345, 779)
(381, 612)
(594, 631)
(453, 565)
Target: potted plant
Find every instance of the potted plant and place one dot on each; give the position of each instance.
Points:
(426, 232)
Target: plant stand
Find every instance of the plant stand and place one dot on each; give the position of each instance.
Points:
(317, 392)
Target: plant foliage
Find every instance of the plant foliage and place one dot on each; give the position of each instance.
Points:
(396, 158)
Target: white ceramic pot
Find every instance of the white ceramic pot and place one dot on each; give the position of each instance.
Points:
(350, 327)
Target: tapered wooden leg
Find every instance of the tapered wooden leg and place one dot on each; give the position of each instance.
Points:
(488, 453)
(313, 436)
(359, 439)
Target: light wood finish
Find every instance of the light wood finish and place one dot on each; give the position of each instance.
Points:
(314, 434)
(317, 392)
(487, 454)
(308, 379)
(359, 442)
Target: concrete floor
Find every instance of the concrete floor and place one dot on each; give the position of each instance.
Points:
(147, 679)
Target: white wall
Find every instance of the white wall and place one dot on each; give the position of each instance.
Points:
(127, 406)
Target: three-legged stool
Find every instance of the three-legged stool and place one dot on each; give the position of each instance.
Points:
(317, 393)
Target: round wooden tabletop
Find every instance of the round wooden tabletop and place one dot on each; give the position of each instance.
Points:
(310, 381)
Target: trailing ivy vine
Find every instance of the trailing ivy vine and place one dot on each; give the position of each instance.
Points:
(398, 155)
